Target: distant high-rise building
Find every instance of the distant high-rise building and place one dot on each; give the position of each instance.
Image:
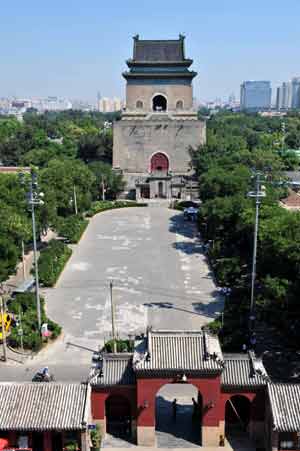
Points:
(284, 96)
(256, 95)
(295, 92)
(231, 99)
(117, 104)
(106, 105)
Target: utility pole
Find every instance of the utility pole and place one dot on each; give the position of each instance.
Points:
(103, 187)
(112, 317)
(23, 262)
(36, 269)
(34, 199)
(20, 331)
(258, 194)
(75, 200)
(3, 330)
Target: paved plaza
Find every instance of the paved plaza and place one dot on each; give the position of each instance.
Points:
(160, 278)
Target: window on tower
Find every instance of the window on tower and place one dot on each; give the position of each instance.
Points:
(159, 103)
(179, 105)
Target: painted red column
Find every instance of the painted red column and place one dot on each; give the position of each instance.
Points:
(210, 390)
(146, 392)
(47, 441)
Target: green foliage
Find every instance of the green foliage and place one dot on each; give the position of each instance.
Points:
(58, 180)
(215, 326)
(71, 446)
(71, 228)
(26, 304)
(237, 144)
(52, 261)
(122, 346)
(96, 438)
(99, 206)
(95, 147)
(107, 179)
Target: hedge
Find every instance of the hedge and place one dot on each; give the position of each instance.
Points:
(71, 228)
(122, 346)
(99, 206)
(26, 304)
(52, 261)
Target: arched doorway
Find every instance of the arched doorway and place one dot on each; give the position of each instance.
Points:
(159, 103)
(237, 412)
(160, 189)
(118, 416)
(237, 418)
(159, 163)
(178, 415)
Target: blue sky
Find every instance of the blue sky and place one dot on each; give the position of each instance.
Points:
(75, 48)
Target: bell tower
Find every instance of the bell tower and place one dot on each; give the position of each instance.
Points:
(159, 125)
(159, 78)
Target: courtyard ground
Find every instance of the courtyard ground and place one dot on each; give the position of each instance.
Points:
(160, 279)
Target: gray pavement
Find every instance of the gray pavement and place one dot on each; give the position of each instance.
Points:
(160, 278)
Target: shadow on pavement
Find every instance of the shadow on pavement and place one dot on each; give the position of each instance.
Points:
(178, 225)
(210, 310)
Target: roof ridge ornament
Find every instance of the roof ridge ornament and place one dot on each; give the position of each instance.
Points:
(257, 367)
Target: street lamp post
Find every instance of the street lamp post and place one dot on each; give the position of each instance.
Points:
(258, 194)
(34, 199)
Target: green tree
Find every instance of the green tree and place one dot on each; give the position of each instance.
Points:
(106, 178)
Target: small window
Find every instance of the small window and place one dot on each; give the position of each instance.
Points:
(179, 105)
(139, 104)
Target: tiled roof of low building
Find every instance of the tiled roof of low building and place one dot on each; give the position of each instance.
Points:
(13, 169)
(294, 176)
(114, 369)
(292, 201)
(43, 406)
(243, 371)
(172, 351)
(285, 406)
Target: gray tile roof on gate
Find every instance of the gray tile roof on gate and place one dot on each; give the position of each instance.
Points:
(114, 369)
(178, 350)
(44, 406)
(285, 406)
(243, 371)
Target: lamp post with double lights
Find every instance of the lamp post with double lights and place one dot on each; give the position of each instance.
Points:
(34, 198)
(258, 194)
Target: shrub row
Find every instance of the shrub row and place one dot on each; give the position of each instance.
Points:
(122, 346)
(52, 261)
(25, 303)
(71, 228)
(99, 206)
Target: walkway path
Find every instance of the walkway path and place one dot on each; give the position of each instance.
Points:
(160, 278)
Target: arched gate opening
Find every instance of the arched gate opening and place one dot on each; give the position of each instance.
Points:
(118, 416)
(237, 419)
(178, 415)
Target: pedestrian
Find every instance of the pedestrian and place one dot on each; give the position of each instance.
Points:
(253, 341)
(244, 348)
(174, 409)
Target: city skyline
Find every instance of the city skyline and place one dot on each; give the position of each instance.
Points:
(76, 52)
